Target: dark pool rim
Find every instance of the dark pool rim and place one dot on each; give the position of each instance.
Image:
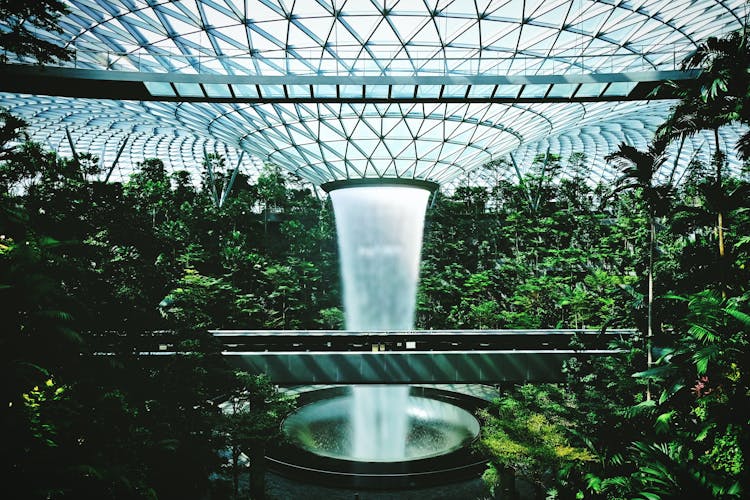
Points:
(463, 463)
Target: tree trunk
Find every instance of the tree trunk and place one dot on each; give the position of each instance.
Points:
(257, 455)
(719, 160)
(720, 230)
(506, 490)
(236, 472)
(650, 311)
(541, 493)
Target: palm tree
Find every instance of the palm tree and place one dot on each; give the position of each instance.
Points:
(724, 79)
(719, 96)
(638, 172)
(689, 117)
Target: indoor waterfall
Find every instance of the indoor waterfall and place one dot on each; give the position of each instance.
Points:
(379, 232)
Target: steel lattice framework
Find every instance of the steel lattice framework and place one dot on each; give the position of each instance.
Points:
(336, 89)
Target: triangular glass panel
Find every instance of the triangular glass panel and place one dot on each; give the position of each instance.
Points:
(305, 10)
(511, 10)
(399, 146)
(504, 40)
(217, 17)
(406, 26)
(468, 38)
(553, 17)
(381, 152)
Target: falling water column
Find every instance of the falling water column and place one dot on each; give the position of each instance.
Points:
(379, 228)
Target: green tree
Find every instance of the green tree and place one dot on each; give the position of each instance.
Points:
(24, 21)
(272, 188)
(12, 131)
(149, 190)
(718, 96)
(251, 422)
(200, 302)
(638, 172)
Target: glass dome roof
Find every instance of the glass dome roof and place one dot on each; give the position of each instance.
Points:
(340, 89)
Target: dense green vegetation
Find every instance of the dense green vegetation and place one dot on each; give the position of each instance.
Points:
(88, 265)
(670, 421)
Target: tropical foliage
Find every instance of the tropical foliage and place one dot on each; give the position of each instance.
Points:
(90, 268)
(687, 436)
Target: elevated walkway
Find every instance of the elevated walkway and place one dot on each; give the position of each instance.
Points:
(417, 357)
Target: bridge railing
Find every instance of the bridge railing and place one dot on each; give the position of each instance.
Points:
(408, 357)
(415, 340)
(365, 341)
(388, 357)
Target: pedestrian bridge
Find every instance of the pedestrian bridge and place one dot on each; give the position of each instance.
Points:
(418, 357)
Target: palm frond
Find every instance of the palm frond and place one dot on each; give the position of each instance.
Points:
(646, 408)
(704, 356)
(743, 146)
(668, 393)
(740, 316)
(656, 373)
(702, 333)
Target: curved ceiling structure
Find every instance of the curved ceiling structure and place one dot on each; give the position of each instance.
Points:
(373, 88)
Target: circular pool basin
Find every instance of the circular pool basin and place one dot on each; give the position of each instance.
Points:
(439, 432)
(433, 428)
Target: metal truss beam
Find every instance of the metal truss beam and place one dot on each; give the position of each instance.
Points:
(220, 88)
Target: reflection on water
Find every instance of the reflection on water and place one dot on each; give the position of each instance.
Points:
(433, 428)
